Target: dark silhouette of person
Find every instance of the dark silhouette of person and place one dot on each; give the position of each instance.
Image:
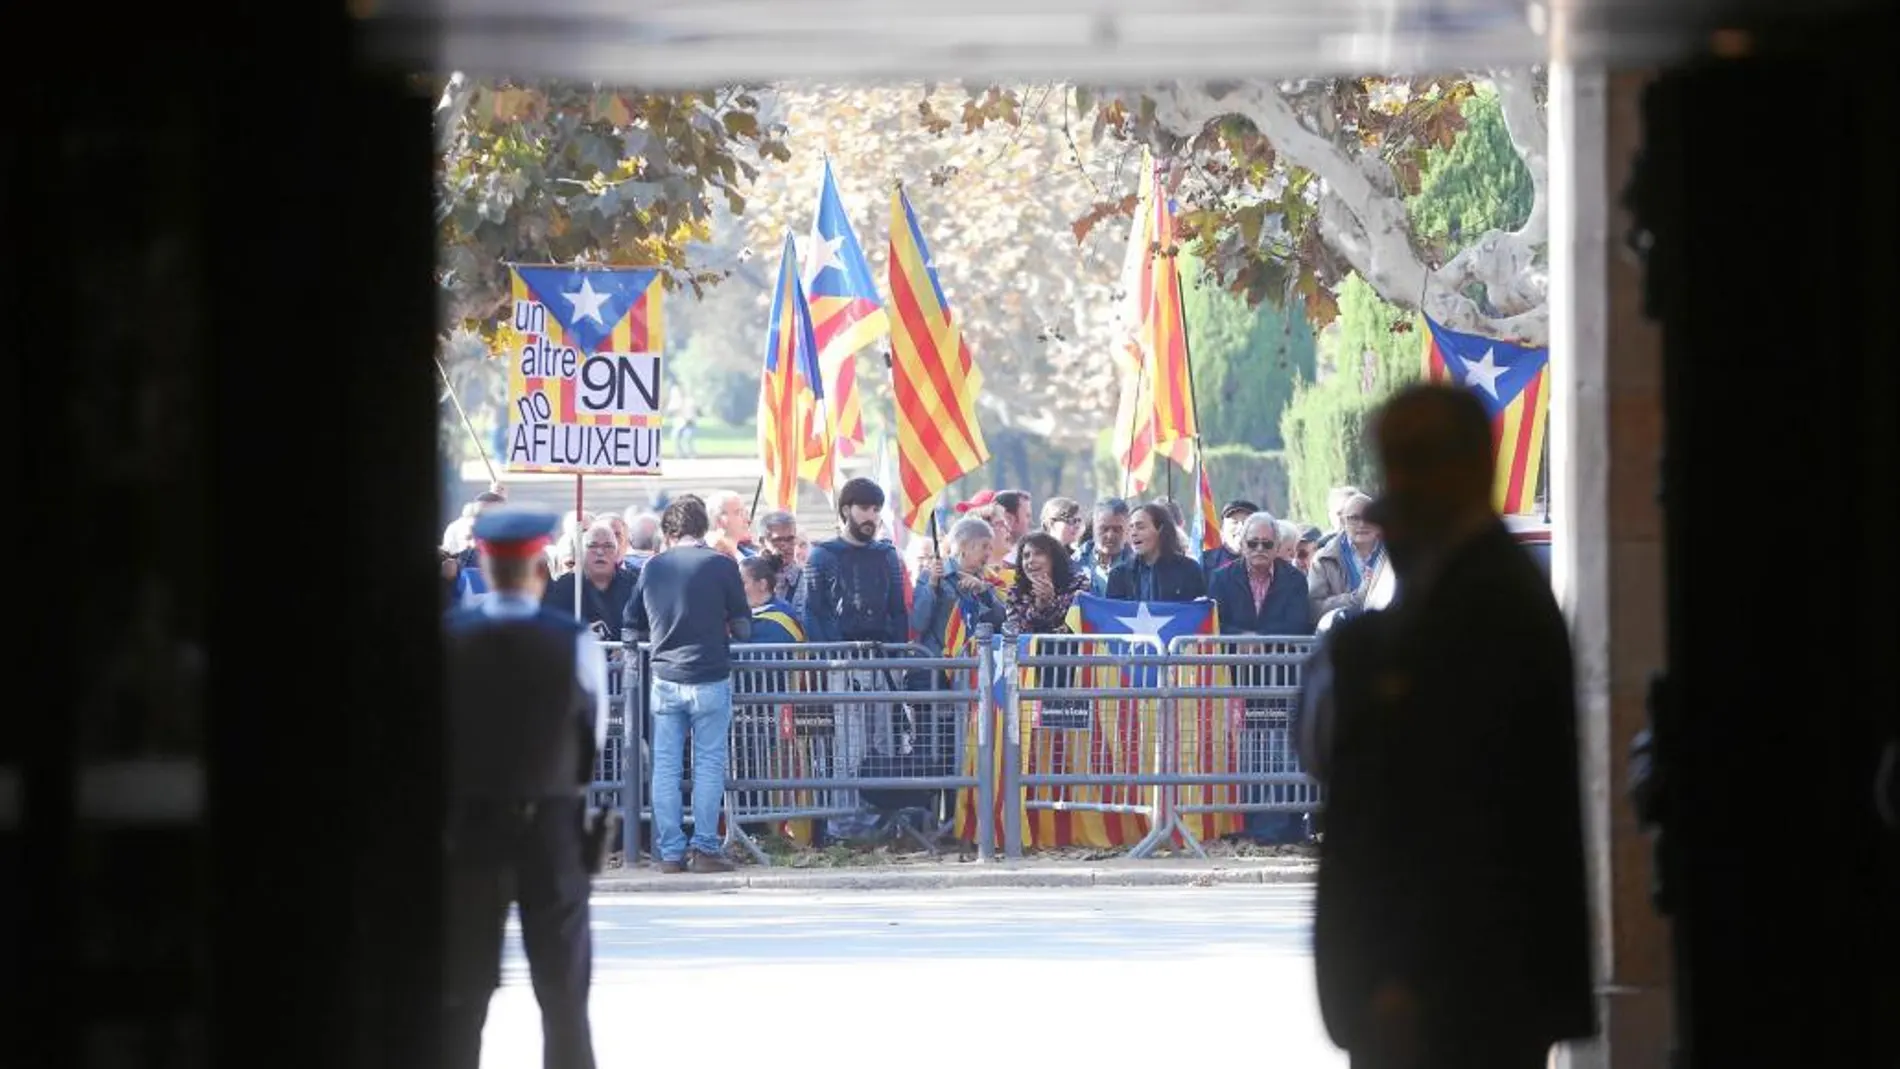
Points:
(1469, 950)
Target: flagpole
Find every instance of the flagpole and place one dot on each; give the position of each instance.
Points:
(579, 572)
(1187, 357)
(456, 400)
(1134, 420)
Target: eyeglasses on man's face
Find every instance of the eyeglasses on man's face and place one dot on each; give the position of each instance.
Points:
(1261, 544)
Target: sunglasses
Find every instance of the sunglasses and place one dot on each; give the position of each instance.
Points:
(1255, 543)
(1354, 517)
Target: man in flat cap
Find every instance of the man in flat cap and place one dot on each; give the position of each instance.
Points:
(527, 713)
(1233, 521)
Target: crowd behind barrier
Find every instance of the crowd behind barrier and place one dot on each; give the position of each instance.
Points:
(1025, 742)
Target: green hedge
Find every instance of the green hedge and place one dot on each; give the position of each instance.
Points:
(1259, 475)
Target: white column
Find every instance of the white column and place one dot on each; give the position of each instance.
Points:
(1579, 456)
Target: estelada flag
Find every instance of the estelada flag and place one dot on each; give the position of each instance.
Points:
(846, 313)
(1513, 381)
(793, 427)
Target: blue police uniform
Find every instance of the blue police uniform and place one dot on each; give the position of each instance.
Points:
(527, 714)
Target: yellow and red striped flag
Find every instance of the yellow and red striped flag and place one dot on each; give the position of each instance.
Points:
(1514, 384)
(934, 381)
(1176, 428)
(846, 314)
(1209, 521)
(1155, 415)
(792, 420)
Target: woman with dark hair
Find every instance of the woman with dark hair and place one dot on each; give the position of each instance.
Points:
(1046, 584)
(1161, 569)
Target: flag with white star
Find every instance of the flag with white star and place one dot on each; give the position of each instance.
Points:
(846, 312)
(1513, 381)
(558, 318)
(591, 304)
(1163, 620)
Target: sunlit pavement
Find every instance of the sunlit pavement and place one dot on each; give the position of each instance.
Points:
(1092, 977)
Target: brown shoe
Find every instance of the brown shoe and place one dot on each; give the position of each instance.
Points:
(671, 868)
(706, 863)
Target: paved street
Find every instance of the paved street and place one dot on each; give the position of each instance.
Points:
(1096, 977)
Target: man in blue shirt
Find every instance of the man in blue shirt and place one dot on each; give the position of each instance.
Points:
(853, 591)
(688, 605)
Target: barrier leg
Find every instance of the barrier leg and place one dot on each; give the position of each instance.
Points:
(633, 754)
(1163, 820)
(985, 751)
(737, 834)
(1012, 752)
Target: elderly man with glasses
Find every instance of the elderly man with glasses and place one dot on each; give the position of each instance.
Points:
(1107, 544)
(780, 546)
(605, 585)
(1262, 593)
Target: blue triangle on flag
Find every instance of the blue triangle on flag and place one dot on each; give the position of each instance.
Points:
(587, 302)
(1497, 371)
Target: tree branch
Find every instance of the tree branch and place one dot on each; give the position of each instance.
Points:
(1363, 217)
(1530, 136)
(1378, 237)
(450, 109)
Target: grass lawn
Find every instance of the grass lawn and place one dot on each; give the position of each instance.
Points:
(716, 439)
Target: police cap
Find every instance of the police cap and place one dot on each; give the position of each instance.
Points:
(514, 532)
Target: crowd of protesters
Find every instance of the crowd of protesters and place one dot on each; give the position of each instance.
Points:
(725, 576)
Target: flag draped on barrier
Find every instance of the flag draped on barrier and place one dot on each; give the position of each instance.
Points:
(845, 311)
(934, 380)
(793, 427)
(1118, 735)
(1514, 384)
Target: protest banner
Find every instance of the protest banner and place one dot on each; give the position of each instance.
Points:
(584, 347)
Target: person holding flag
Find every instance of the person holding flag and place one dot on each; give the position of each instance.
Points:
(952, 596)
(950, 601)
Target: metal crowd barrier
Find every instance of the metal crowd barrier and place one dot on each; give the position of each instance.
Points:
(1114, 724)
(817, 725)
(1258, 730)
(1089, 723)
(1073, 703)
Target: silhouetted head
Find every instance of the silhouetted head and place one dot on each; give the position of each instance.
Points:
(1434, 444)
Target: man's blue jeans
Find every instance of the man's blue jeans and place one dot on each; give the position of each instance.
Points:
(705, 708)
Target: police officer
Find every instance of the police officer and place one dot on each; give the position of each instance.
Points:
(527, 712)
